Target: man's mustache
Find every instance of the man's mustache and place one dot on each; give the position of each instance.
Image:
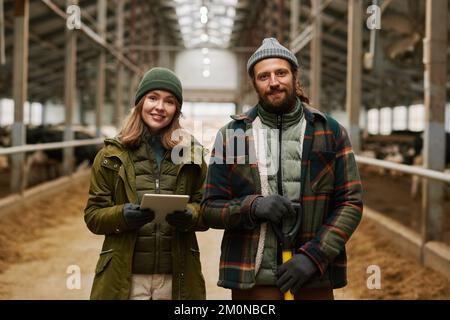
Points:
(276, 91)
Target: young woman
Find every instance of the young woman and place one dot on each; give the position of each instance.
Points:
(141, 259)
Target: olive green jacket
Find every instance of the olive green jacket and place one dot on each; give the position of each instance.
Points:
(113, 184)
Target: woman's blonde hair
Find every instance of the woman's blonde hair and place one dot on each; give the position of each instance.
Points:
(134, 128)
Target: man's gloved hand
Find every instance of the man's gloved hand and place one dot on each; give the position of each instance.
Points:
(294, 273)
(272, 208)
(135, 217)
(180, 219)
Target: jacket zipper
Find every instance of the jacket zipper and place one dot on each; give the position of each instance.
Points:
(181, 274)
(157, 226)
(158, 178)
(280, 139)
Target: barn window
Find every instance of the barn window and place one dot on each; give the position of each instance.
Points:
(6, 112)
(416, 117)
(372, 121)
(386, 120)
(400, 115)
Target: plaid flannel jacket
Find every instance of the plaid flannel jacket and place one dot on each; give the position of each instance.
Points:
(331, 200)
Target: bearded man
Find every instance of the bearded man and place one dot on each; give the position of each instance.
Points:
(292, 170)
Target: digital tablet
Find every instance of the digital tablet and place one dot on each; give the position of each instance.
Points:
(163, 204)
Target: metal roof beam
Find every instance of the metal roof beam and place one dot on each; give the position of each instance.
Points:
(97, 39)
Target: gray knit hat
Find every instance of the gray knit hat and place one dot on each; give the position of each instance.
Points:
(271, 48)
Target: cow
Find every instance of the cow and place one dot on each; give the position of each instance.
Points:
(47, 134)
(45, 165)
(404, 147)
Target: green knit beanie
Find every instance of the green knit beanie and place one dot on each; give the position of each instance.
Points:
(160, 79)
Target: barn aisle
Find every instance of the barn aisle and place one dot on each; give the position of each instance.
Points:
(38, 245)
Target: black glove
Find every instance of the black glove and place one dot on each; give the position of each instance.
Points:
(181, 220)
(294, 273)
(135, 217)
(272, 208)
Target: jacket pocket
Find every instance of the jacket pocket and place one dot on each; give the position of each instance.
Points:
(103, 261)
(321, 170)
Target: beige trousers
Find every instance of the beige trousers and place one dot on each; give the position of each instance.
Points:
(151, 287)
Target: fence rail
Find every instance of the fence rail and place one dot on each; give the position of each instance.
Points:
(50, 145)
(413, 170)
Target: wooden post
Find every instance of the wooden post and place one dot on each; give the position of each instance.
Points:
(133, 82)
(100, 97)
(435, 78)
(316, 55)
(44, 113)
(70, 88)
(164, 58)
(119, 114)
(20, 86)
(354, 56)
(281, 25)
(295, 14)
(241, 78)
(2, 34)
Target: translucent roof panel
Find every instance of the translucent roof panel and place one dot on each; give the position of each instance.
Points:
(206, 23)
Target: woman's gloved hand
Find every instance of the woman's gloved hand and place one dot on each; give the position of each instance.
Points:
(181, 220)
(135, 217)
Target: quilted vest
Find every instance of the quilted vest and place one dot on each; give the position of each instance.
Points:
(290, 148)
(152, 252)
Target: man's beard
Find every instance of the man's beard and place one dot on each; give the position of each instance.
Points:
(283, 106)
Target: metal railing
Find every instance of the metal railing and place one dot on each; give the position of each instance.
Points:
(413, 170)
(50, 145)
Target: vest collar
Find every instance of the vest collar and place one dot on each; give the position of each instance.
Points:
(311, 114)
